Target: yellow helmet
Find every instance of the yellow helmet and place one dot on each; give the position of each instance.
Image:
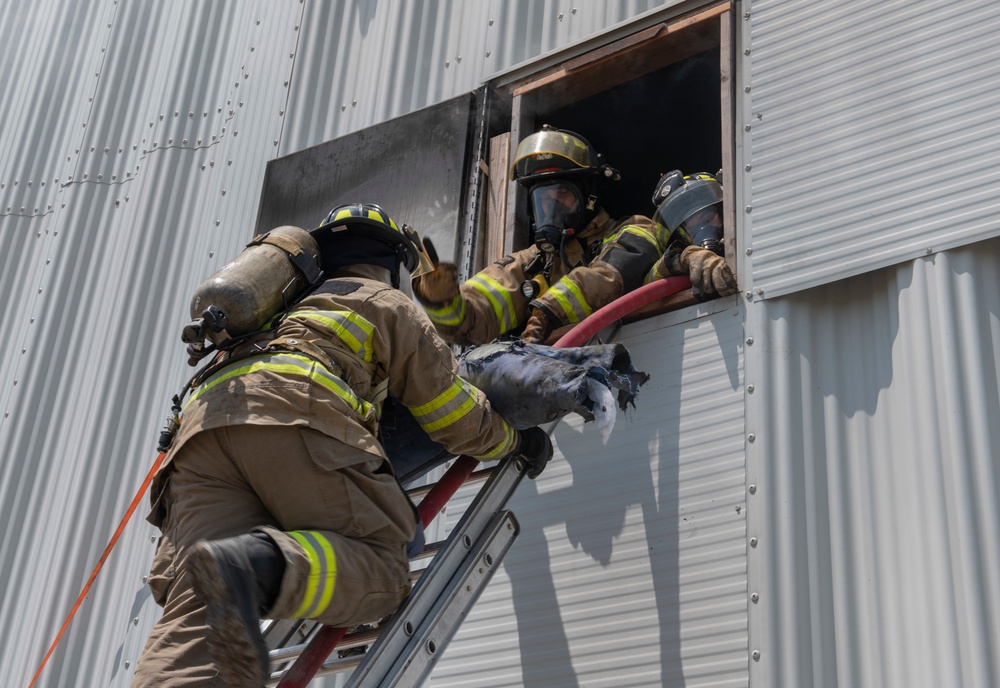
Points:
(555, 152)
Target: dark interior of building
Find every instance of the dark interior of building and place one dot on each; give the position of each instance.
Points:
(668, 119)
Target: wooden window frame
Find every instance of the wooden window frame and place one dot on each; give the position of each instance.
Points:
(645, 51)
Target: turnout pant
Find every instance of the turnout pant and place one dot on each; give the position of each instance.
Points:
(337, 514)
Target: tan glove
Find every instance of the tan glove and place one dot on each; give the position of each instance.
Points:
(708, 271)
(538, 329)
(440, 285)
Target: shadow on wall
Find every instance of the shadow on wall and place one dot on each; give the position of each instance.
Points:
(599, 488)
(883, 475)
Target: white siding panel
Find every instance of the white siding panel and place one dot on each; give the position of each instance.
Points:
(877, 504)
(96, 288)
(630, 569)
(871, 135)
(366, 62)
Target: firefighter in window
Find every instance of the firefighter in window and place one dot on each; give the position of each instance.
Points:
(581, 258)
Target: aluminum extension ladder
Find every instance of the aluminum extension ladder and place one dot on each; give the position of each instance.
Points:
(404, 649)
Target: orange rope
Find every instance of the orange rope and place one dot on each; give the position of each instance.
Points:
(100, 563)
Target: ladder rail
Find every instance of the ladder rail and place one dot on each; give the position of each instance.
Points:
(326, 639)
(468, 543)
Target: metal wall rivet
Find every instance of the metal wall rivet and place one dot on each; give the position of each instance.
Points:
(749, 341)
(756, 655)
(746, 89)
(738, 508)
(749, 251)
(760, 292)
(755, 598)
(753, 542)
(751, 438)
(753, 489)
(747, 168)
(750, 389)
(746, 127)
(749, 208)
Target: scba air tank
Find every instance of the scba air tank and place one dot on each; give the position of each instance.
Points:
(266, 278)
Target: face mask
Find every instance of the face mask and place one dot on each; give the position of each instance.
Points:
(557, 210)
(704, 228)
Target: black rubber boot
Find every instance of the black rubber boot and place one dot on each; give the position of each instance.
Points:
(238, 579)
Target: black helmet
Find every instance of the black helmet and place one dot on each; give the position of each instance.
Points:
(690, 208)
(363, 233)
(555, 152)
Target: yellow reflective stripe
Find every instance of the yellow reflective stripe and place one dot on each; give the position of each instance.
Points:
(452, 314)
(643, 234)
(654, 273)
(288, 364)
(446, 408)
(498, 297)
(569, 296)
(352, 329)
(501, 449)
(322, 577)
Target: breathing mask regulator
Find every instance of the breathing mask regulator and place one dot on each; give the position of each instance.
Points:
(560, 169)
(690, 207)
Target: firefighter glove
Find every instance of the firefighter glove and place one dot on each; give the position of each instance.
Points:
(536, 450)
(708, 271)
(440, 285)
(539, 327)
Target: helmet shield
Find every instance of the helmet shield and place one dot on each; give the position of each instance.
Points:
(551, 152)
(557, 208)
(692, 211)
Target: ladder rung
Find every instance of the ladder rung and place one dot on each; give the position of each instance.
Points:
(476, 477)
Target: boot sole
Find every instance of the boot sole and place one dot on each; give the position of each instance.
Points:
(238, 654)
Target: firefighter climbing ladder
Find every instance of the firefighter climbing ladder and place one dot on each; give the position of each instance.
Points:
(404, 650)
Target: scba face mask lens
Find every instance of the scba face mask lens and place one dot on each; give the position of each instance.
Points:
(557, 209)
(704, 228)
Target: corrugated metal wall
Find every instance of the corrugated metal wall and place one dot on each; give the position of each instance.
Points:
(876, 512)
(630, 569)
(135, 137)
(133, 147)
(871, 133)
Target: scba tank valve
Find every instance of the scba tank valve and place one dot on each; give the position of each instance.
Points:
(266, 278)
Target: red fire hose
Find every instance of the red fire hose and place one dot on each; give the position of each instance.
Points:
(324, 642)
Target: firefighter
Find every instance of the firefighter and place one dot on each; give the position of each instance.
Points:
(588, 258)
(689, 214)
(276, 500)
